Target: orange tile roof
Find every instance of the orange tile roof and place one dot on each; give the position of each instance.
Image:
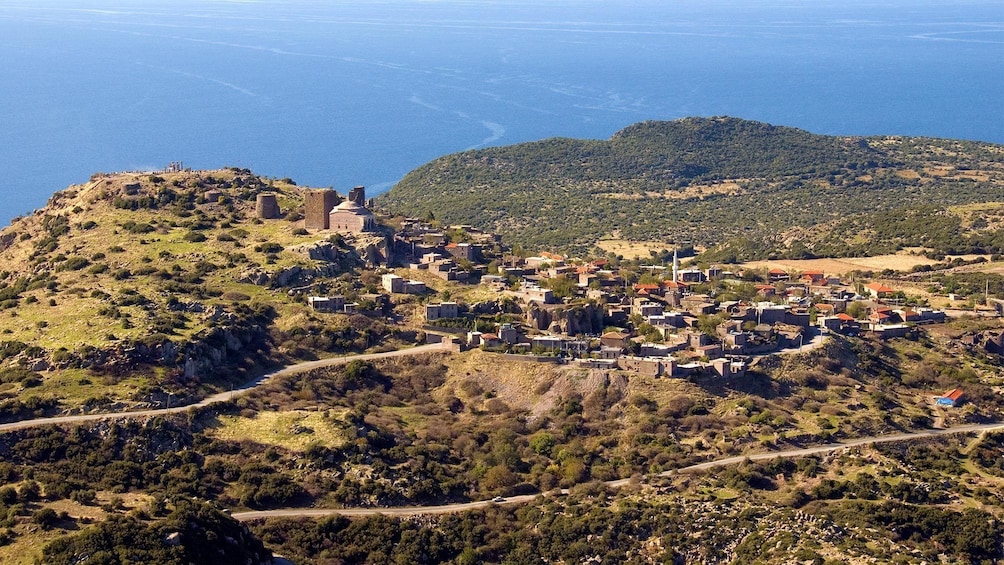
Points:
(954, 394)
(878, 287)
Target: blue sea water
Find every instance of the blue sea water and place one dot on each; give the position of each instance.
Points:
(353, 92)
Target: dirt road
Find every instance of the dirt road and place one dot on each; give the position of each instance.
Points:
(448, 508)
(223, 396)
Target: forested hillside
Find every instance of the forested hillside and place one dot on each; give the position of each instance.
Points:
(711, 181)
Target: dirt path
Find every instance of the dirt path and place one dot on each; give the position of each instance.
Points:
(223, 396)
(449, 508)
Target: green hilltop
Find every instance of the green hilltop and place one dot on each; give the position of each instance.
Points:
(134, 286)
(751, 187)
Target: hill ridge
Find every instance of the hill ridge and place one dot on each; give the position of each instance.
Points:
(701, 180)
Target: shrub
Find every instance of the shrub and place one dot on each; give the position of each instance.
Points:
(268, 247)
(74, 264)
(46, 517)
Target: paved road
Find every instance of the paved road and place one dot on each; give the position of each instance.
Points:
(223, 396)
(449, 508)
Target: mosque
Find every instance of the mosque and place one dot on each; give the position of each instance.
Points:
(324, 212)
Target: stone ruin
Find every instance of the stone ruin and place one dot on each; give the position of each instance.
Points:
(267, 207)
(358, 195)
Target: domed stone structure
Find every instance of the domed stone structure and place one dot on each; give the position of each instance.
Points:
(350, 217)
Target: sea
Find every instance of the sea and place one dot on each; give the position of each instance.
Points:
(359, 92)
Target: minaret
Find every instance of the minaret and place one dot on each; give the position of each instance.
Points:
(676, 267)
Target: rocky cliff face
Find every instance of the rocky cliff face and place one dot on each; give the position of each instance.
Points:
(216, 354)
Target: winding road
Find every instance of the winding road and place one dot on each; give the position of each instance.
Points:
(450, 508)
(246, 387)
(223, 396)
(459, 507)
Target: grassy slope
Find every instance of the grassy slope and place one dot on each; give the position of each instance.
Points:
(95, 306)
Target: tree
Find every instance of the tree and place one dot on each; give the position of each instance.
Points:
(856, 310)
(708, 324)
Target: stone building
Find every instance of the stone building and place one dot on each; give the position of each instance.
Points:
(349, 217)
(441, 310)
(317, 206)
(358, 195)
(267, 207)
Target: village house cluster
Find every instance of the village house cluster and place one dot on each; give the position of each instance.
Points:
(604, 319)
(655, 328)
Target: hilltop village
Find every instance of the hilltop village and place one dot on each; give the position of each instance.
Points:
(654, 320)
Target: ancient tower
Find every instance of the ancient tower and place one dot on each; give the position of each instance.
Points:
(358, 195)
(267, 207)
(317, 205)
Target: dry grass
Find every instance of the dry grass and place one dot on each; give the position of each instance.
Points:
(27, 547)
(294, 430)
(903, 261)
(632, 249)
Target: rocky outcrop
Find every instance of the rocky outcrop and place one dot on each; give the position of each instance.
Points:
(570, 320)
(493, 307)
(332, 258)
(236, 337)
(295, 276)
